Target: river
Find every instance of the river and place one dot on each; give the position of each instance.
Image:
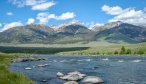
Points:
(112, 69)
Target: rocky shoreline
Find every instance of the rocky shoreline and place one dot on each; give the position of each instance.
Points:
(28, 59)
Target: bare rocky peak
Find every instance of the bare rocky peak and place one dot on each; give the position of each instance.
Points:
(107, 26)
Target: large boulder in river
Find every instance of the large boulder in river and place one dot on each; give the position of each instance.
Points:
(71, 82)
(73, 76)
(92, 80)
(77, 72)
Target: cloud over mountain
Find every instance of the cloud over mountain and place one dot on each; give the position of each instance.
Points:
(129, 15)
(44, 16)
(30, 21)
(11, 25)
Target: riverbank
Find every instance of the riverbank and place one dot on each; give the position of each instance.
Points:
(7, 77)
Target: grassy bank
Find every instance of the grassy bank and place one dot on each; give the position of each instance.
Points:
(7, 77)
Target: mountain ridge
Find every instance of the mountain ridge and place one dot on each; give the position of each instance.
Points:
(74, 32)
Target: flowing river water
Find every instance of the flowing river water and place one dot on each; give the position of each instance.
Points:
(112, 69)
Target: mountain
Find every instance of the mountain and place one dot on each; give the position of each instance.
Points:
(68, 33)
(73, 32)
(122, 32)
(115, 32)
(106, 26)
(27, 34)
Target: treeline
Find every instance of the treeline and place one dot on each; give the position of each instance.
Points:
(123, 50)
(39, 50)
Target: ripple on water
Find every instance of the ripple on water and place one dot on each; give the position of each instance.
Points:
(136, 60)
(105, 59)
(120, 60)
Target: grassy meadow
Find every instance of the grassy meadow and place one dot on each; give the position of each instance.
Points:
(111, 49)
(91, 48)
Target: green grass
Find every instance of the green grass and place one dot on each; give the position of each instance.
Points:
(110, 50)
(91, 48)
(7, 77)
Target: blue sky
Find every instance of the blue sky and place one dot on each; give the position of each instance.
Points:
(88, 12)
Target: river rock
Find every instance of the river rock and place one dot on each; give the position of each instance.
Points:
(28, 68)
(71, 82)
(92, 80)
(59, 74)
(78, 73)
(73, 76)
(44, 80)
(28, 59)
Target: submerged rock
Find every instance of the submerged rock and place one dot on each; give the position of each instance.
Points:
(44, 80)
(92, 80)
(71, 82)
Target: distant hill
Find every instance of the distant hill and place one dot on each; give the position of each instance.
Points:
(114, 32)
(123, 32)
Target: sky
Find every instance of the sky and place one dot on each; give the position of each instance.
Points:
(88, 12)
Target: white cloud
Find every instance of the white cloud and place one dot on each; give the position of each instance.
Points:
(92, 25)
(30, 21)
(9, 13)
(43, 6)
(50, 16)
(11, 25)
(64, 16)
(35, 4)
(112, 10)
(128, 15)
(44, 17)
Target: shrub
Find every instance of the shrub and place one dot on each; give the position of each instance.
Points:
(140, 52)
(128, 51)
(116, 52)
(122, 50)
